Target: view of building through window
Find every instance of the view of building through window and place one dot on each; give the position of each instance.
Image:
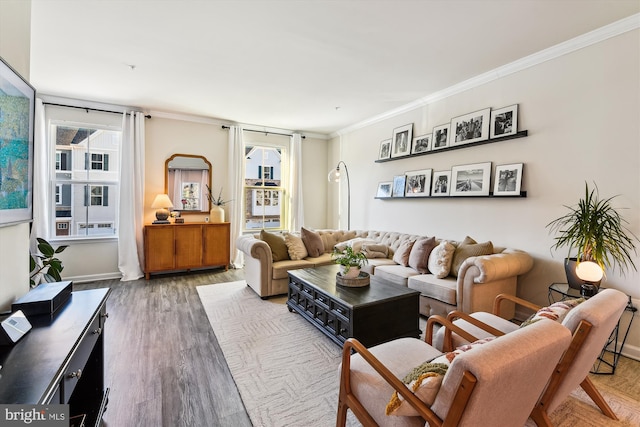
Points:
(86, 180)
(264, 187)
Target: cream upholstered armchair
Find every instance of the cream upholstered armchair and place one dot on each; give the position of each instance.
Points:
(494, 384)
(590, 323)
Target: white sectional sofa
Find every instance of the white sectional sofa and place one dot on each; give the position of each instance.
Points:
(479, 278)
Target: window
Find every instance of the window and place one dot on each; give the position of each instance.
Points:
(86, 179)
(264, 187)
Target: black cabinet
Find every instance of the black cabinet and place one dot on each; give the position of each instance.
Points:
(61, 360)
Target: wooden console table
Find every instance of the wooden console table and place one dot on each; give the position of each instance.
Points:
(61, 360)
(187, 246)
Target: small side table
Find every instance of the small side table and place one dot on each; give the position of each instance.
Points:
(608, 359)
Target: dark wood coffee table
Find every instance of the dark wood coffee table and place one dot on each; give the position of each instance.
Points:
(373, 314)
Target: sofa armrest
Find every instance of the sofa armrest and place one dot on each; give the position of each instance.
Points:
(509, 263)
(254, 248)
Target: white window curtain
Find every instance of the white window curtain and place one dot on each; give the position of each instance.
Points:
(296, 219)
(236, 180)
(41, 164)
(130, 213)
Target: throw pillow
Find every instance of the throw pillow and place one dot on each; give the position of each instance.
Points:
(356, 244)
(419, 255)
(296, 248)
(466, 249)
(312, 242)
(556, 311)
(424, 381)
(440, 259)
(375, 250)
(277, 244)
(401, 256)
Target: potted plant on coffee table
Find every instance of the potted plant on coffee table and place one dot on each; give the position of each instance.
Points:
(594, 231)
(350, 261)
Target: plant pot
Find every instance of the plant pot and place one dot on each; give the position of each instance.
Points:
(572, 278)
(352, 273)
(216, 214)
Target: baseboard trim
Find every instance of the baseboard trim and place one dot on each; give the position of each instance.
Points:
(94, 277)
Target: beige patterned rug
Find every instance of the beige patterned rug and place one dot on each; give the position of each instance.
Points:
(287, 371)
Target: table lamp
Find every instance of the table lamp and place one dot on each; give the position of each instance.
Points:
(162, 202)
(591, 274)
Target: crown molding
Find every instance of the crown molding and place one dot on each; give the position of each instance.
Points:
(596, 36)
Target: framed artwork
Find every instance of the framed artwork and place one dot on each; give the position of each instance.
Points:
(441, 183)
(470, 128)
(508, 180)
(17, 115)
(401, 141)
(398, 186)
(440, 137)
(418, 183)
(421, 144)
(385, 149)
(190, 196)
(384, 189)
(504, 122)
(470, 180)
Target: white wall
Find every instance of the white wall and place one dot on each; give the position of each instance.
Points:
(15, 39)
(582, 113)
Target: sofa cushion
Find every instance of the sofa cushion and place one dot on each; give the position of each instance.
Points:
(440, 259)
(281, 268)
(279, 251)
(376, 262)
(401, 255)
(356, 244)
(312, 242)
(323, 259)
(428, 285)
(419, 255)
(295, 246)
(395, 273)
(466, 249)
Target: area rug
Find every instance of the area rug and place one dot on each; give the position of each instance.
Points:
(287, 371)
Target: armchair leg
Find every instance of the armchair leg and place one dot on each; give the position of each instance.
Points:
(540, 417)
(597, 398)
(341, 420)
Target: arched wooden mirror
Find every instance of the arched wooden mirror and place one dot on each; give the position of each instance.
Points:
(185, 181)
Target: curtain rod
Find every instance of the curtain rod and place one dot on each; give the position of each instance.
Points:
(265, 132)
(147, 116)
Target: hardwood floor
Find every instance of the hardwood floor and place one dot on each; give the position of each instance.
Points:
(163, 363)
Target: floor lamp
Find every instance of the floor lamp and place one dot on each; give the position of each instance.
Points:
(334, 176)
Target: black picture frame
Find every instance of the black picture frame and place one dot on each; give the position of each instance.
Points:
(17, 124)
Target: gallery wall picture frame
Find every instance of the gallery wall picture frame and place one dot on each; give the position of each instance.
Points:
(508, 179)
(421, 144)
(470, 128)
(440, 137)
(418, 183)
(385, 150)
(441, 183)
(17, 125)
(384, 189)
(504, 122)
(401, 141)
(398, 186)
(471, 180)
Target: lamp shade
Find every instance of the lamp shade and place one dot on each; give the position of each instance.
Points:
(161, 201)
(589, 271)
(334, 175)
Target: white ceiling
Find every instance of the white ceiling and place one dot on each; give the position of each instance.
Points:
(317, 66)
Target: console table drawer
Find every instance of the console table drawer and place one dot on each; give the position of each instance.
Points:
(76, 366)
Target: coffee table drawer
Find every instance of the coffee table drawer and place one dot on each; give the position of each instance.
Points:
(341, 310)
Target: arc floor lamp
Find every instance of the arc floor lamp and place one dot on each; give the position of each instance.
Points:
(334, 176)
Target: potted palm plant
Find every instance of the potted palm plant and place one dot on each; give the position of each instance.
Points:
(594, 230)
(350, 261)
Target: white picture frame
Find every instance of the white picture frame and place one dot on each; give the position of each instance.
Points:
(441, 183)
(401, 141)
(440, 137)
(384, 189)
(508, 179)
(470, 128)
(504, 122)
(385, 150)
(398, 186)
(421, 144)
(471, 180)
(418, 183)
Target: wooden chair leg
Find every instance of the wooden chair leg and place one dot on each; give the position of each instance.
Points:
(341, 420)
(540, 417)
(597, 398)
